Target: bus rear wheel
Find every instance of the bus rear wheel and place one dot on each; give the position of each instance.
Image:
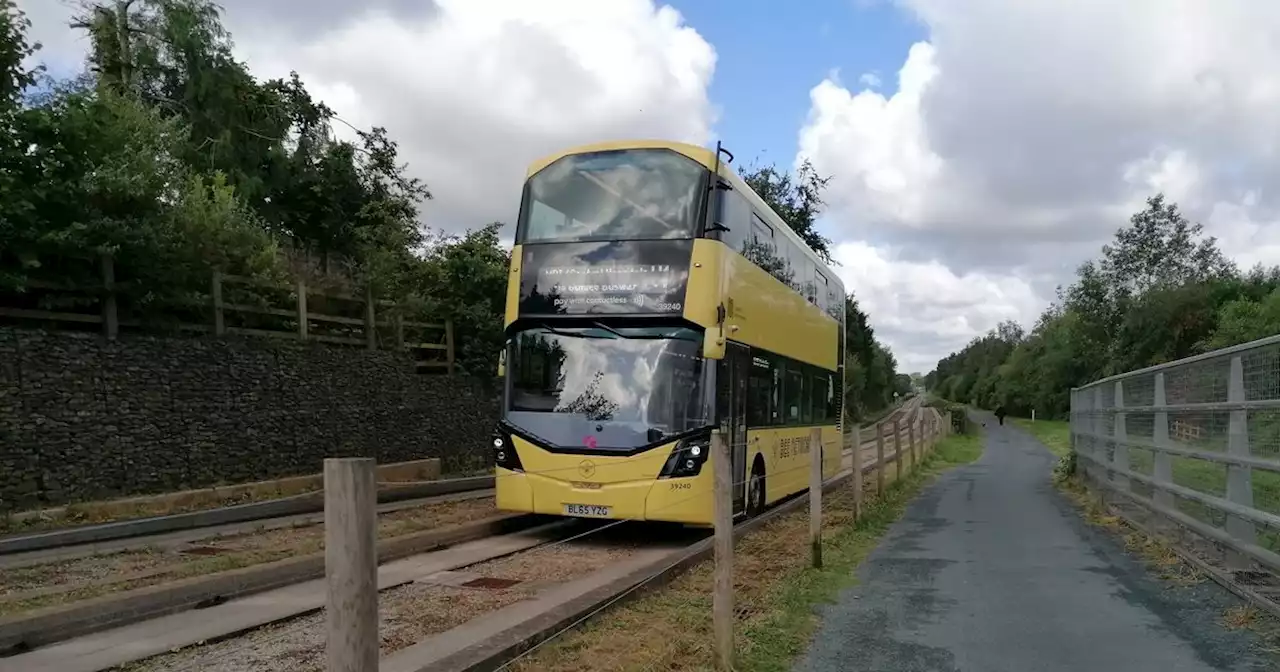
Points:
(755, 490)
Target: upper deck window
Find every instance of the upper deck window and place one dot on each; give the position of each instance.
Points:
(630, 194)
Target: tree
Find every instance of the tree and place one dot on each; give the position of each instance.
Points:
(1159, 248)
(464, 278)
(1160, 291)
(797, 199)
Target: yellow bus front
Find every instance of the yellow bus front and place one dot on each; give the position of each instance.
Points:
(608, 399)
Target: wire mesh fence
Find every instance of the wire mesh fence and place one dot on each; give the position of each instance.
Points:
(1195, 442)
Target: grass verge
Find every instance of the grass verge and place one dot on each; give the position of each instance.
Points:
(775, 589)
(1054, 434)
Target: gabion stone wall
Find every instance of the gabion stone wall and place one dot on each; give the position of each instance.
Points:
(82, 418)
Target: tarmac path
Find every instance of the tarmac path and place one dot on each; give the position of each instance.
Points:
(992, 569)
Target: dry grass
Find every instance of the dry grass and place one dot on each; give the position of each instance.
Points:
(167, 504)
(774, 591)
(69, 581)
(1242, 616)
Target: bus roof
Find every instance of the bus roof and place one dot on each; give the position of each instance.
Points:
(706, 157)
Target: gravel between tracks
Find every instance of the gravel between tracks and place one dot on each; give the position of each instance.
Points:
(60, 582)
(407, 614)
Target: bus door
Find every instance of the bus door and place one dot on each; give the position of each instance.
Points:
(737, 362)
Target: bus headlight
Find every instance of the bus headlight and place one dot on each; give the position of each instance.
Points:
(687, 458)
(504, 452)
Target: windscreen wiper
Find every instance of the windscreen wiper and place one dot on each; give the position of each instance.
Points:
(569, 334)
(642, 337)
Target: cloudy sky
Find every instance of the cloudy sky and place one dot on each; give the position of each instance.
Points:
(979, 150)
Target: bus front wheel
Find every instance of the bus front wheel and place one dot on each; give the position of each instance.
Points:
(755, 490)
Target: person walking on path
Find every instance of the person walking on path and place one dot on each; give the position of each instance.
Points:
(1000, 413)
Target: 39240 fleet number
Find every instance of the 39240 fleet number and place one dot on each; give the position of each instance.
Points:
(681, 486)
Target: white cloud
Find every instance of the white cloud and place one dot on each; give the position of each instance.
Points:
(923, 308)
(473, 90)
(870, 80)
(1022, 134)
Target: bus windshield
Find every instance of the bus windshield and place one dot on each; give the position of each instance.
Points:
(607, 388)
(630, 194)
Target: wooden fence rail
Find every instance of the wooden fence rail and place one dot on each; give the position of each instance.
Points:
(429, 355)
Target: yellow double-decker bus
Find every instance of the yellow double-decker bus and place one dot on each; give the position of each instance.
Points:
(653, 296)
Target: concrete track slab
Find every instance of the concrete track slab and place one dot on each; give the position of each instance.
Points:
(107, 649)
(434, 653)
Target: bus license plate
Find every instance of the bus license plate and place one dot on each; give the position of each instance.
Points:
(590, 510)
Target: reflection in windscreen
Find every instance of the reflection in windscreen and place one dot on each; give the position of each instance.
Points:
(619, 195)
(623, 389)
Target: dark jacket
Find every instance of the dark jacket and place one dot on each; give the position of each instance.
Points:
(1000, 411)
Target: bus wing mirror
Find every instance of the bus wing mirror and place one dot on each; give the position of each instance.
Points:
(713, 344)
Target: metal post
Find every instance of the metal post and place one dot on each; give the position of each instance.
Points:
(1120, 433)
(1162, 469)
(815, 496)
(1097, 445)
(1239, 477)
(351, 563)
(722, 593)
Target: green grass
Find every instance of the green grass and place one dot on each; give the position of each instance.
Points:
(1054, 434)
(775, 589)
(1200, 475)
(774, 642)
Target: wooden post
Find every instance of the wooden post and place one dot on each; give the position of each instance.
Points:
(448, 342)
(370, 323)
(219, 321)
(879, 460)
(399, 325)
(302, 310)
(857, 473)
(722, 593)
(897, 448)
(110, 311)
(815, 496)
(911, 445)
(351, 563)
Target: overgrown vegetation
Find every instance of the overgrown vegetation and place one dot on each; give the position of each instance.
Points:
(1161, 291)
(169, 155)
(775, 589)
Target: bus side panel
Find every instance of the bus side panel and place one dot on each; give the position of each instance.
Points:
(786, 457)
(833, 451)
(760, 311)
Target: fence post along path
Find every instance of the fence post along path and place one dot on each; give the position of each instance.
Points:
(722, 590)
(351, 564)
(1192, 446)
(815, 495)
